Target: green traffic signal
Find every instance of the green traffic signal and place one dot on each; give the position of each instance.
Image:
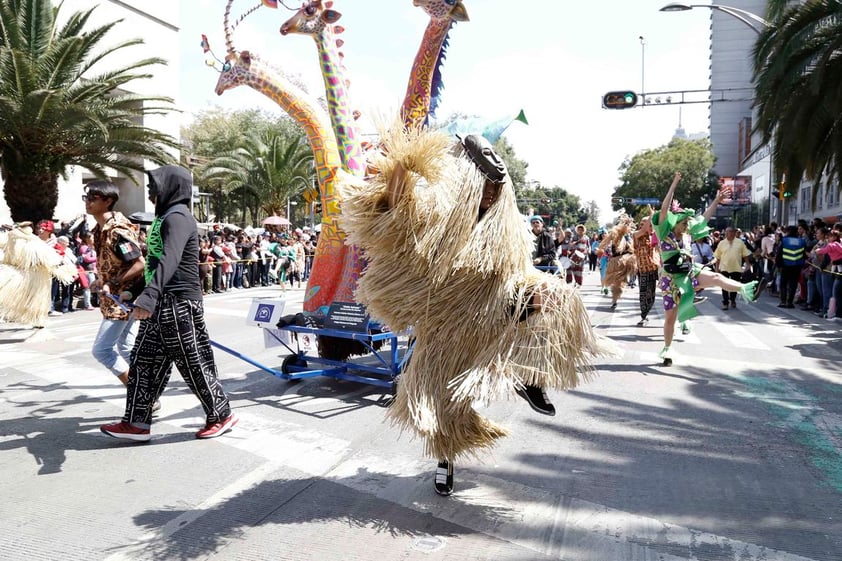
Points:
(619, 100)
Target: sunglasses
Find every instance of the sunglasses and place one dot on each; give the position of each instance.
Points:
(92, 197)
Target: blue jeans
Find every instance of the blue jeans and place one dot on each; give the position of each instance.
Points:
(113, 344)
(825, 284)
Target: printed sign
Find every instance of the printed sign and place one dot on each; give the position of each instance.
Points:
(265, 312)
(347, 316)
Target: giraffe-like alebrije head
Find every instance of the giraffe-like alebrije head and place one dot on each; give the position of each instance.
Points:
(443, 9)
(240, 67)
(313, 18)
(236, 71)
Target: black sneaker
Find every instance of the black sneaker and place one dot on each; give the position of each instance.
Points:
(537, 399)
(443, 482)
(613, 305)
(642, 322)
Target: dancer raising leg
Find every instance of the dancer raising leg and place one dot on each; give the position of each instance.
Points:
(680, 277)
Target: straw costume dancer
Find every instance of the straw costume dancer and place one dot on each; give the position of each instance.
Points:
(27, 266)
(617, 246)
(450, 258)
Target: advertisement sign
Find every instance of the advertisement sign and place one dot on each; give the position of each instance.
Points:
(739, 189)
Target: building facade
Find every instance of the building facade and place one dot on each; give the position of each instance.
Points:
(157, 23)
(738, 152)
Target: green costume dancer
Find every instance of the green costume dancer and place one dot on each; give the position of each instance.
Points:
(680, 277)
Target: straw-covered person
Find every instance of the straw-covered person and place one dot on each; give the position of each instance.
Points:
(449, 257)
(617, 245)
(680, 276)
(27, 268)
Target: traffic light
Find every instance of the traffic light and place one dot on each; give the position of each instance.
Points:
(619, 100)
(783, 191)
(617, 200)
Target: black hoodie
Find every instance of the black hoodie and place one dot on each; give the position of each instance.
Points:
(177, 267)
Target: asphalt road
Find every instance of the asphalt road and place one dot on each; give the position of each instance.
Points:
(733, 453)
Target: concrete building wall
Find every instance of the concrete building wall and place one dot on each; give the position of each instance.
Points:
(730, 68)
(157, 23)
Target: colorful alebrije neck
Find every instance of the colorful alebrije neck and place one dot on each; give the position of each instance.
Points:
(425, 84)
(329, 281)
(318, 21)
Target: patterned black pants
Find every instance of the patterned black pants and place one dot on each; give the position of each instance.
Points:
(648, 283)
(176, 333)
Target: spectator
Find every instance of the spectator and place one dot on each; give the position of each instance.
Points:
(88, 260)
(792, 254)
(732, 258)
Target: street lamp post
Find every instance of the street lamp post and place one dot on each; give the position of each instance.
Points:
(755, 22)
(758, 25)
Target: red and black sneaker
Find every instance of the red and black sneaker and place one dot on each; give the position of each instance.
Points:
(126, 431)
(212, 430)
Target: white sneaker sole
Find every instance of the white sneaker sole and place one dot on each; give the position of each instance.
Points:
(128, 436)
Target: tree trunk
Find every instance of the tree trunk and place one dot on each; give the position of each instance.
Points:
(31, 197)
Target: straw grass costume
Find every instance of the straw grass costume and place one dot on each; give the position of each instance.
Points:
(621, 260)
(27, 265)
(466, 288)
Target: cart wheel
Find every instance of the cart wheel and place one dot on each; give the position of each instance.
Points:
(292, 360)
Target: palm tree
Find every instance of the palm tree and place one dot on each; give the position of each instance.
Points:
(57, 109)
(798, 74)
(268, 168)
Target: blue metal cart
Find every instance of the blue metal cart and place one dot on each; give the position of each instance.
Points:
(379, 368)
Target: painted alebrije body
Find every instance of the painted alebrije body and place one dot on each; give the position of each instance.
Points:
(317, 20)
(327, 283)
(418, 99)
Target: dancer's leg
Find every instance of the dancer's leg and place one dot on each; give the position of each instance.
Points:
(708, 279)
(670, 316)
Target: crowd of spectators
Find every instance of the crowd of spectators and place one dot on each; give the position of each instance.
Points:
(230, 259)
(237, 259)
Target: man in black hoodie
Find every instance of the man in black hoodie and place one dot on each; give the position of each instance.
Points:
(173, 323)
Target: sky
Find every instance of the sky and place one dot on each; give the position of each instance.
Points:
(552, 59)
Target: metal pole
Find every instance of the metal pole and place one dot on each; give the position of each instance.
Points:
(642, 69)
